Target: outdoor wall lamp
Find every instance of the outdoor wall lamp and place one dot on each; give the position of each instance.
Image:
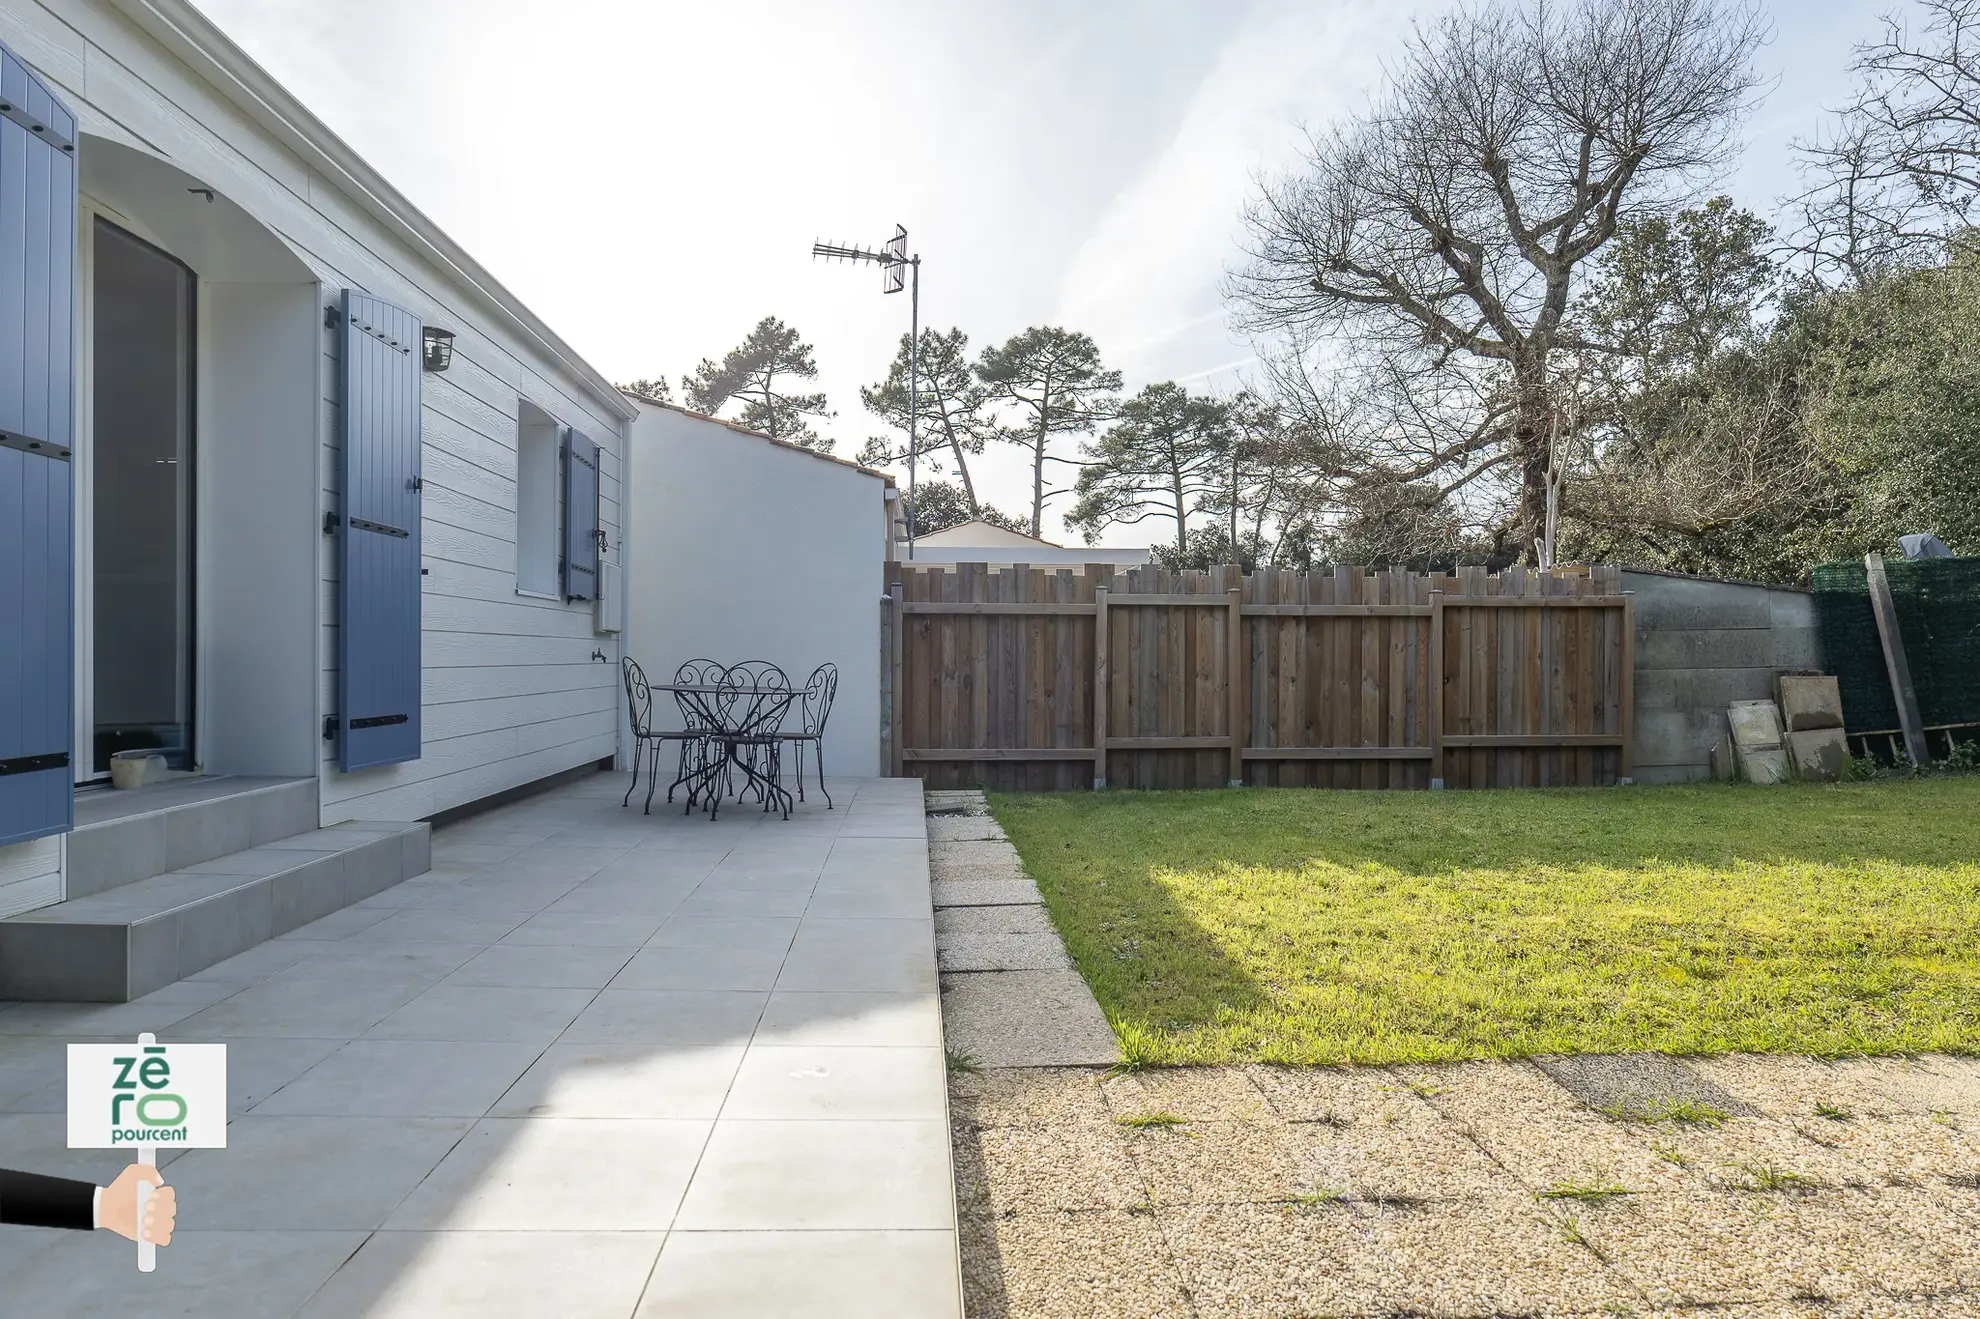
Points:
(436, 349)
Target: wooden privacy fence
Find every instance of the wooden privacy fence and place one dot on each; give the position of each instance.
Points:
(1036, 680)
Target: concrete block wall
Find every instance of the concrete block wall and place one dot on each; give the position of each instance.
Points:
(1701, 644)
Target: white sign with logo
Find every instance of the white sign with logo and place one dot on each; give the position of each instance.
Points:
(145, 1095)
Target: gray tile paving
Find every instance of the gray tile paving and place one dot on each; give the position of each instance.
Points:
(596, 1063)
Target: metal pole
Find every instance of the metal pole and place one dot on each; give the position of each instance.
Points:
(914, 389)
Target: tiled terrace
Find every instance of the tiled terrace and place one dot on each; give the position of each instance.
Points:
(594, 1064)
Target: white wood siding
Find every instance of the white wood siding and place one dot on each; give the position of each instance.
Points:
(510, 691)
(30, 875)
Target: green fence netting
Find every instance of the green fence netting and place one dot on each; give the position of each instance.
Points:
(1938, 609)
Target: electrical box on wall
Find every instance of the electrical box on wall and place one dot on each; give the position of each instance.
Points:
(608, 601)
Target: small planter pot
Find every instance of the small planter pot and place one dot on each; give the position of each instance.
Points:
(134, 769)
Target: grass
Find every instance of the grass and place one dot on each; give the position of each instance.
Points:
(1593, 1193)
(1149, 1121)
(1833, 1113)
(1686, 1112)
(1288, 926)
(961, 1061)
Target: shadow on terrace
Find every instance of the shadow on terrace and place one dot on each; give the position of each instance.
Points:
(593, 1063)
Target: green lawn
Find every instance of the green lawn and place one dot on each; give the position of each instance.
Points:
(1299, 926)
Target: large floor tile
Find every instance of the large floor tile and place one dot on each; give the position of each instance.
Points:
(856, 1018)
(585, 929)
(427, 924)
(673, 1017)
(711, 900)
(309, 1173)
(371, 964)
(885, 967)
(766, 933)
(805, 1275)
(839, 1081)
(483, 1275)
(338, 1008)
(822, 1174)
(484, 1012)
(92, 1275)
(624, 1081)
(404, 1078)
(559, 1174)
(541, 966)
(701, 968)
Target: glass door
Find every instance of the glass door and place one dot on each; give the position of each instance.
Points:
(141, 477)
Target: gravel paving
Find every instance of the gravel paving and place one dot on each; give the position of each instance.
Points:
(1846, 1190)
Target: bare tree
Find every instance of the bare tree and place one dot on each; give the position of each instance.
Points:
(1900, 168)
(1445, 225)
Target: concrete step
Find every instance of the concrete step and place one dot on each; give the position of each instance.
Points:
(121, 838)
(123, 942)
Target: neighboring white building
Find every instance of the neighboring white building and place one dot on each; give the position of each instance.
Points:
(245, 330)
(983, 542)
(740, 546)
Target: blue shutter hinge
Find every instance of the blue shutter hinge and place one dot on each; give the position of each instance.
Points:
(415, 483)
(332, 318)
(330, 524)
(329, 728)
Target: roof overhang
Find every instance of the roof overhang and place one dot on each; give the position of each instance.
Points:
(212, 54)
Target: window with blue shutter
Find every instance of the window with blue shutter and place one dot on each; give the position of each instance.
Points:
(37, 403)
(378, 560)
(581, 537)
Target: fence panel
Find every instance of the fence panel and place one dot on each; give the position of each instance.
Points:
(1031, 679)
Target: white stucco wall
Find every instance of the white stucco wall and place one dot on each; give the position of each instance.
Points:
(510, 690)
(739, 548)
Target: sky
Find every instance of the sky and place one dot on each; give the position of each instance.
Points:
(649, 175)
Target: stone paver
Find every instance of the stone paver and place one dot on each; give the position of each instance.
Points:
(1480, 1189)
(594, 1064)
(1010, 995)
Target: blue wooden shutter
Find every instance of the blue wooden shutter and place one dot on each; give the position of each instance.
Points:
(378, 597)
(37, 403)
(580, 518)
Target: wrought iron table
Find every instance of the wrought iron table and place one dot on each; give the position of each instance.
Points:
(735, 720)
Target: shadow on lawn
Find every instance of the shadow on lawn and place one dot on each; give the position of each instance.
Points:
(1930, 823)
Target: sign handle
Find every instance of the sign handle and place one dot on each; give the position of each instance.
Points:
(147, 1253)
(147, 1155)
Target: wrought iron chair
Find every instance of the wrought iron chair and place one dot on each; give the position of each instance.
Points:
(699, 724)
(755, 697)
(819, 692)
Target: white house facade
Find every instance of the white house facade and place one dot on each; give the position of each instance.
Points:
(245, 525)
(742, 547)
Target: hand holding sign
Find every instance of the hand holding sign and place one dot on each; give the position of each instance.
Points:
(119, 1209)
(145, 1096)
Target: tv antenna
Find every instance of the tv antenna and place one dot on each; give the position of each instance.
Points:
(897, 270)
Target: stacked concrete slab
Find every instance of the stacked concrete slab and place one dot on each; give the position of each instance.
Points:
(1010, 995)
(1811, 711)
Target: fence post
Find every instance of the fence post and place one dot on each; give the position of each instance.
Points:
(1099, 688)
(1902, 692)
(897, 715)
(1627, 767)
(1436, 689)
(1240, 712)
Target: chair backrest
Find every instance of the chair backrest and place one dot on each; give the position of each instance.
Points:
(639, 697)
(698, 673)
(744, 707)
(820, 689)
(759, 673)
